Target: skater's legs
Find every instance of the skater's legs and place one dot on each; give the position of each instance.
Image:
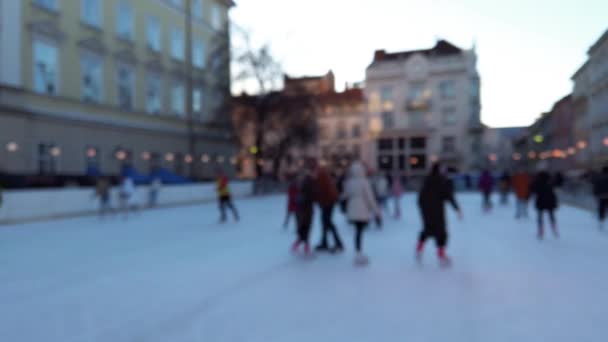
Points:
(232, 207)
(222, 206)
(360, 227)
(552, 218)
(602, 208)
(325, 224)
(540, 218)
(441, 238)
(330, 227)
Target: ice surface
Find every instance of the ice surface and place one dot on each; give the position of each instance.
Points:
(177, 275)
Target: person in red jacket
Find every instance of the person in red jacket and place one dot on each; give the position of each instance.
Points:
(224, 197)
(327, 196)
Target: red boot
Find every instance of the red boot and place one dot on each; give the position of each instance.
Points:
(444, 260)
(554, 229)
(419, 250)
(295, 247)
(306, 249)
(541, 232)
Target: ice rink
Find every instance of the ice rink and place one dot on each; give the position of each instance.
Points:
(177, 275)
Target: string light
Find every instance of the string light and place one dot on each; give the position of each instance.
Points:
(12, 146)
(188, 159)
(145, 155)
(169, 157)
(55, 151)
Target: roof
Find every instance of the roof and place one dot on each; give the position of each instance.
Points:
(353, 95)
(441, 48)
(599, 42)
(580, 70)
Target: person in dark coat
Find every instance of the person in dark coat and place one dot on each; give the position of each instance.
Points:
(486, 186)
(436, 190)
(505, 187)
(543, 189)
(327, 196)
(304, 206)
(600, 190)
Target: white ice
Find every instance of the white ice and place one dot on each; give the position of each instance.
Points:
(177, 275)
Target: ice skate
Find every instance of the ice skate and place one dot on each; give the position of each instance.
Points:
(444, 260)
(361, 259)
(295, 247)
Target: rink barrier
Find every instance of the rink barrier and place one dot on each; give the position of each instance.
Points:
(37, 205)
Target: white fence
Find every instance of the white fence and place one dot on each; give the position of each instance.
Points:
(26, 205)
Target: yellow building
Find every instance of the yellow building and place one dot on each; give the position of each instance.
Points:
(99, 85)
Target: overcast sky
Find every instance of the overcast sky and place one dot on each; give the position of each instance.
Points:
(527, 49)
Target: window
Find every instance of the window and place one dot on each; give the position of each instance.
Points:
(153, 33)
(197, 100)
(217, 20)
(198, 54)
(416, 92)
(418, 143)
(125, 21)
(48, 153)
(401, 143)
(341, 131)
(447, 89)
(153, 94)
(90, 12)
(385, 144)
(474, 88)
(91, 71)
(386, 96)
(197, 9)
(418, 161)
(356, 131)
(48, 4)
(177, 98)
(177, 44)
(126, 87)
(357, 151)
(176, 3)
(417, 118)
(448, 144)
(402, 162)
(388, 120)
(449, 116)
(385, 163)
(45, 68)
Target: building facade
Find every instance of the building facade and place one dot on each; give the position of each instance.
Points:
(92, 86)
(590, 105)
(424, 106)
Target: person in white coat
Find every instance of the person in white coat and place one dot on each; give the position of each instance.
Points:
(361, 206)
(127, 196)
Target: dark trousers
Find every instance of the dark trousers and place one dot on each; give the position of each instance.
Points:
(487, 200)
(359, 229)
(541, 217)
(440, 236)
(328, 226)
(304, 219)
(602, 208)
(225, 202)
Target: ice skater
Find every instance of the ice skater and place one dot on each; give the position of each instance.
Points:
(292, 193)
(102, 192)
(546, 201)
(505, 188)
(486, 186)
(397, 190)
(600, 190)
(327, 196)
(361, 206)
(305, 203)
(153, 192)
(521, 186)
(224, 196)
(436, 190)
(126, 197)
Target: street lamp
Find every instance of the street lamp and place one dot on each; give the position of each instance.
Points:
(12, 146)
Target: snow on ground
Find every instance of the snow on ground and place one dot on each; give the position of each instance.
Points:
(176, 275)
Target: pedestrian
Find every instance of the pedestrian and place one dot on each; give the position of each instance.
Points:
(304, 204)
(153, 192)
(327, 195)
(224, 196)
(600, 190)
(486, 186)
(361, 206)
(397, 190)
(127, 196)
(505, 188)
(292, 193)
(436, 190)
(102, 192)
(380, 187)
(468, 182)
(546, 201)
(521, 186)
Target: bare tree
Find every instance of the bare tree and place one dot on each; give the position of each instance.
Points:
(280, 121)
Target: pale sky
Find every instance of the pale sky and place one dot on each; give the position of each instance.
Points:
(527, 49)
